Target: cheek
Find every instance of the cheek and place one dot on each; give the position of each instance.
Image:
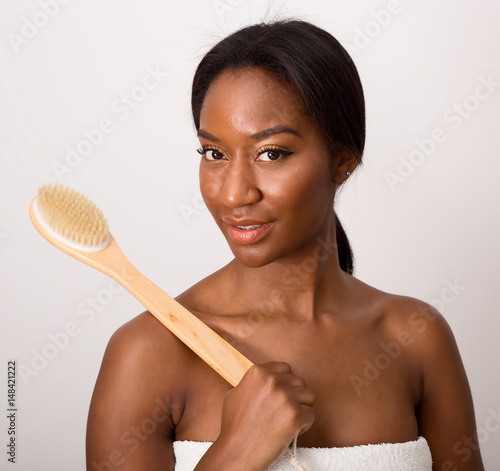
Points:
(302, 193)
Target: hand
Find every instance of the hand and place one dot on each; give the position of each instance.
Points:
(263, 414)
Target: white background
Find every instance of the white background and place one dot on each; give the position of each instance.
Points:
(438, 226)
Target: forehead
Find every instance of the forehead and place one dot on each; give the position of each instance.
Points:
(250, 99)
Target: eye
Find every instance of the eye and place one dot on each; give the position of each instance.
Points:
(270, 154)
(209, 153)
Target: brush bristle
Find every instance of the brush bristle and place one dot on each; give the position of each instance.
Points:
(72, 215)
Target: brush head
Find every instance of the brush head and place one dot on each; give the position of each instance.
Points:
(71, 217)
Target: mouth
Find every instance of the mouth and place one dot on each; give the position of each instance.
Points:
(247, 232)
(248, 228)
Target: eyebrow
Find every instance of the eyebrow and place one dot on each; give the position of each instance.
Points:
(265, 133)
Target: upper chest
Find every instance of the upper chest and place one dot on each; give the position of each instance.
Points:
(366, 384)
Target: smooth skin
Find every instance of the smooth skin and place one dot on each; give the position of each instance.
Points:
(284, 302)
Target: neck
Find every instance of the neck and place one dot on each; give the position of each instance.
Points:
(300, 287)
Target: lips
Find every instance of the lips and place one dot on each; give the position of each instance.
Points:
(246, 231)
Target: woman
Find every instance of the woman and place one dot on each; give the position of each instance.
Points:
(279, 112)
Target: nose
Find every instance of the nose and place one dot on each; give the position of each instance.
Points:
(239, 187)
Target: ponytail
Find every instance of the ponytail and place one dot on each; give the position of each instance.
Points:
(343, 248)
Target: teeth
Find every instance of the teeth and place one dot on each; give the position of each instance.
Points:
(246, 228)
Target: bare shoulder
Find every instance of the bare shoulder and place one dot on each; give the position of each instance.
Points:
(414, 322)
(425, 331)
(420, 331)
(144, 332)
(146, 350)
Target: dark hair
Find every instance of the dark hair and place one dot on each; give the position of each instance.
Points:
(319, 68)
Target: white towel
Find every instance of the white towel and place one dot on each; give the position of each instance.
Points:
(408, 456)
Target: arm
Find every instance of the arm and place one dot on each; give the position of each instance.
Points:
(446, 413)
(130, 424)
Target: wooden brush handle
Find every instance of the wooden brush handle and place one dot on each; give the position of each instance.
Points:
(200, 338)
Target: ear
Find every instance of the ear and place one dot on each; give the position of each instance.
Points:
(344, 162)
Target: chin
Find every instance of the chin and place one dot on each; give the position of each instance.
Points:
(252, 257)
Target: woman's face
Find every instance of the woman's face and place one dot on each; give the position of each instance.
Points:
(266, 173)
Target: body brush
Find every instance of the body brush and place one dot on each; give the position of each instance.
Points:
(75, 225)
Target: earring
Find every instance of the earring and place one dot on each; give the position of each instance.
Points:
(348, 173)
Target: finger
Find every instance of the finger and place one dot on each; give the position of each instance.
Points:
(305, 396)
(295, 381)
